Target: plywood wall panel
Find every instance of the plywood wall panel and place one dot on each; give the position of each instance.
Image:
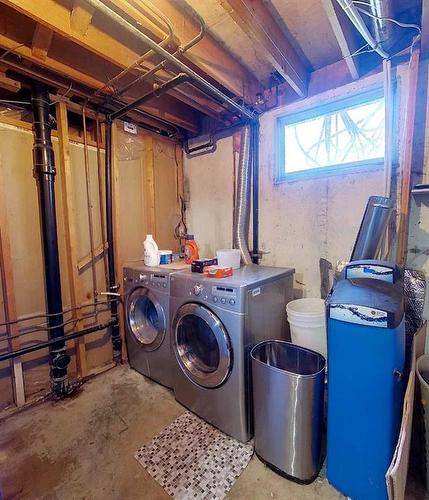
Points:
(167, 212)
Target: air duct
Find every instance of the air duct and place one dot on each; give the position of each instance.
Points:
(355, 17)
(242, 210)
(44, 172)
(382, 30)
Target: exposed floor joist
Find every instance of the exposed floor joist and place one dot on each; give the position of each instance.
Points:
(343, 30)
(207, 55)
(255, 19)
(56, 17)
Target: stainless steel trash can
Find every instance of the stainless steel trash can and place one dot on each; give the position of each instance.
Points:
(288, 399)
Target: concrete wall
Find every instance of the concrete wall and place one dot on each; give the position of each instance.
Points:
(310, 218)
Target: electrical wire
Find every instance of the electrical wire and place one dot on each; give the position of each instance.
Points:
(379, 18)
(11, 50)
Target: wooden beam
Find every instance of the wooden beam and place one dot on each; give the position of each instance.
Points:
(407, 158)
(343, 30)
(56, 16)
(81, 16)
(208, 57)
(8, 83)
(148, 187)
(253, 17)
(70, 217)
(177, 114)
(116, 201)
(42, 39)
(8, 289)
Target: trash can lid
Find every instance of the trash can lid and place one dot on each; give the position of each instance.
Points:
(367, 301)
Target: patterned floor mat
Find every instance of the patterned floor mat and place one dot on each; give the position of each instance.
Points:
(191, 459)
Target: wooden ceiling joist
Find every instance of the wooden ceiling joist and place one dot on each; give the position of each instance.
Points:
(207, 57)
(256, 21)
(42, 40)
(56, 16)
(176, 113)
(343, 30)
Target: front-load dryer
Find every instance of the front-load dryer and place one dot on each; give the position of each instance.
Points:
(215, 323)
(147, 320)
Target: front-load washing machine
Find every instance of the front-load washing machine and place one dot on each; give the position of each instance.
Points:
(147, 320)
(215, 323)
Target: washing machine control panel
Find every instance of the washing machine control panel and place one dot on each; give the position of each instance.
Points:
(155, 281)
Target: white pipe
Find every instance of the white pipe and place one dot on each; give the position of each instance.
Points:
(357, 20)
(388, 121)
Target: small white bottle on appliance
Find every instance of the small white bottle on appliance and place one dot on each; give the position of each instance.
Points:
(151, 253)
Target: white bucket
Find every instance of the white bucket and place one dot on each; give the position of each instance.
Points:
(307, 324)
(229, 258)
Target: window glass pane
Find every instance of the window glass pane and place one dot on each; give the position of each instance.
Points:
(349, 135)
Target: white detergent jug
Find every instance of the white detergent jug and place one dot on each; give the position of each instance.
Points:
(151, 253)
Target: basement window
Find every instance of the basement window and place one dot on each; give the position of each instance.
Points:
(335, 138)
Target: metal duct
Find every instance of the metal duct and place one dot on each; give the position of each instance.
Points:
(377, 216)
(44, 172)
(381, 29)
(242, 210)
(355, 17)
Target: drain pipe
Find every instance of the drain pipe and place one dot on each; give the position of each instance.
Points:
(355, 17)
(255, 190)
(113, 286)
(44, 172)
(241, 223)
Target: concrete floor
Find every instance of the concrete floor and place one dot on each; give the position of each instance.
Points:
(83, 447)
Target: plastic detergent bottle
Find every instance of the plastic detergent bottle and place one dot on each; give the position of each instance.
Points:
(151, 254)
(191, 249)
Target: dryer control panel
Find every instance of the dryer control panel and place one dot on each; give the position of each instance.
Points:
(227, 297)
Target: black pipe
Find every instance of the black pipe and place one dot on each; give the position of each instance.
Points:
(255, 189)
(162, 89)
(44, 172)
(51, 342)
(113, 286)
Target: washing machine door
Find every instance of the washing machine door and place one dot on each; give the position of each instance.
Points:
(202, 346)
(145, 318)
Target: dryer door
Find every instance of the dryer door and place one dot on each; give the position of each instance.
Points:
(145, 318)
(202, 346)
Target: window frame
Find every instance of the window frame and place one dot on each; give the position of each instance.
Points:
(354, 100)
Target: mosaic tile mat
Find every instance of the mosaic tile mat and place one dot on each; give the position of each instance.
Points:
(191, 459)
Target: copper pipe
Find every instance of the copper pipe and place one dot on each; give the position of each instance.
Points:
(162, 64)
(149, 53)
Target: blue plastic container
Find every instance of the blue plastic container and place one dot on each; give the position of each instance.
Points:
(366, 352)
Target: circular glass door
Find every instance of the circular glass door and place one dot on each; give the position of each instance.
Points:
(201, 345)
(145, 319)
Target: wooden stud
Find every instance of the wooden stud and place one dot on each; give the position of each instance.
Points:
(407, 159)
(70, 215)
(81, 16)
(149, 185)
(8, 288)
(119, 261)
(42, 39)
(8, 83)
(343, 30)
(253, 17)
